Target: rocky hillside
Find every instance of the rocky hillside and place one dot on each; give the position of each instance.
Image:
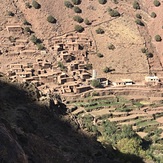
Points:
(122, 32)
(33, 132)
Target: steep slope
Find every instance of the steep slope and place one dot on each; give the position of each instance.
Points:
(33, 132)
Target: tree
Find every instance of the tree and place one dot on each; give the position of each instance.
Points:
(95, 83)
(153, 15)
(77, 9)
(158, 38)
(139, 22)
(138, 16)
(51, 19)
(36, 5)
(106, 69)
(78, 19)
(102, 1)
(68, 4)
(136, 5)
(149, 54)
(87, 22)
(156, 3)
(143, 50)
(113, 13)
(111, 47)
(28, 30)
(10, 13)
(100, 55)
(34, 39)
(99, 31)
(79, 28)
(76, 2)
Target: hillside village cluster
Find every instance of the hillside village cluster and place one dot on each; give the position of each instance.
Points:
(69, 73)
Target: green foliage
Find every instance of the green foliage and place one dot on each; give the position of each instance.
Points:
(26, 22)
(12, 39)
(87, 22)
(40, 46)
(68, 4)
(100, 55)
(153, 15)
(113, 13)
(156, 3)
(136, 5)
(102, 1)
(78, 19)
(95, 83)
(138, 16)
(36, 5)
(149, 54)
(158, 38)
(28, 5)
(130, 146)
(106, 69)
(76, 2)
(35, 40)
(62, 66)
(111, 47)
(10, 13)
(139, 22)
(27, 30)
(88, 66)
(100, 31)
(77, 9)
(79, 28)
(51, 19)
(143, 50)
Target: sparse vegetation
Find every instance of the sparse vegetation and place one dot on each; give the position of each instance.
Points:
(153, 15)
(100, 55)
(106, 69)
(78, 19)
(28, 5)
(138, 16)
(111, 47)
(113, 13)
(79, 28)
(40, 46)
(149, 54)
(87, 22)
(27, 30)
(136, 5)
(143, 50)
(88, 66)
(95, 83)
(139, 22)
(100, 31)
(156, 3)
(76, 2)
(12, 39)
(158, 38)
(10, 13)
(68, 4)
(77, 9)
(51, 19)
(26, 22)
(102, 1)
(36, 5)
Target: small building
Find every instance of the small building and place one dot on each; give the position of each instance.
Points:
(123, 82)
(152, 79)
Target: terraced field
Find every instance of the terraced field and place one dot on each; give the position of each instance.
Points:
(108, 116)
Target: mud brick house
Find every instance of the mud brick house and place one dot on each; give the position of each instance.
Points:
(82, 88)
